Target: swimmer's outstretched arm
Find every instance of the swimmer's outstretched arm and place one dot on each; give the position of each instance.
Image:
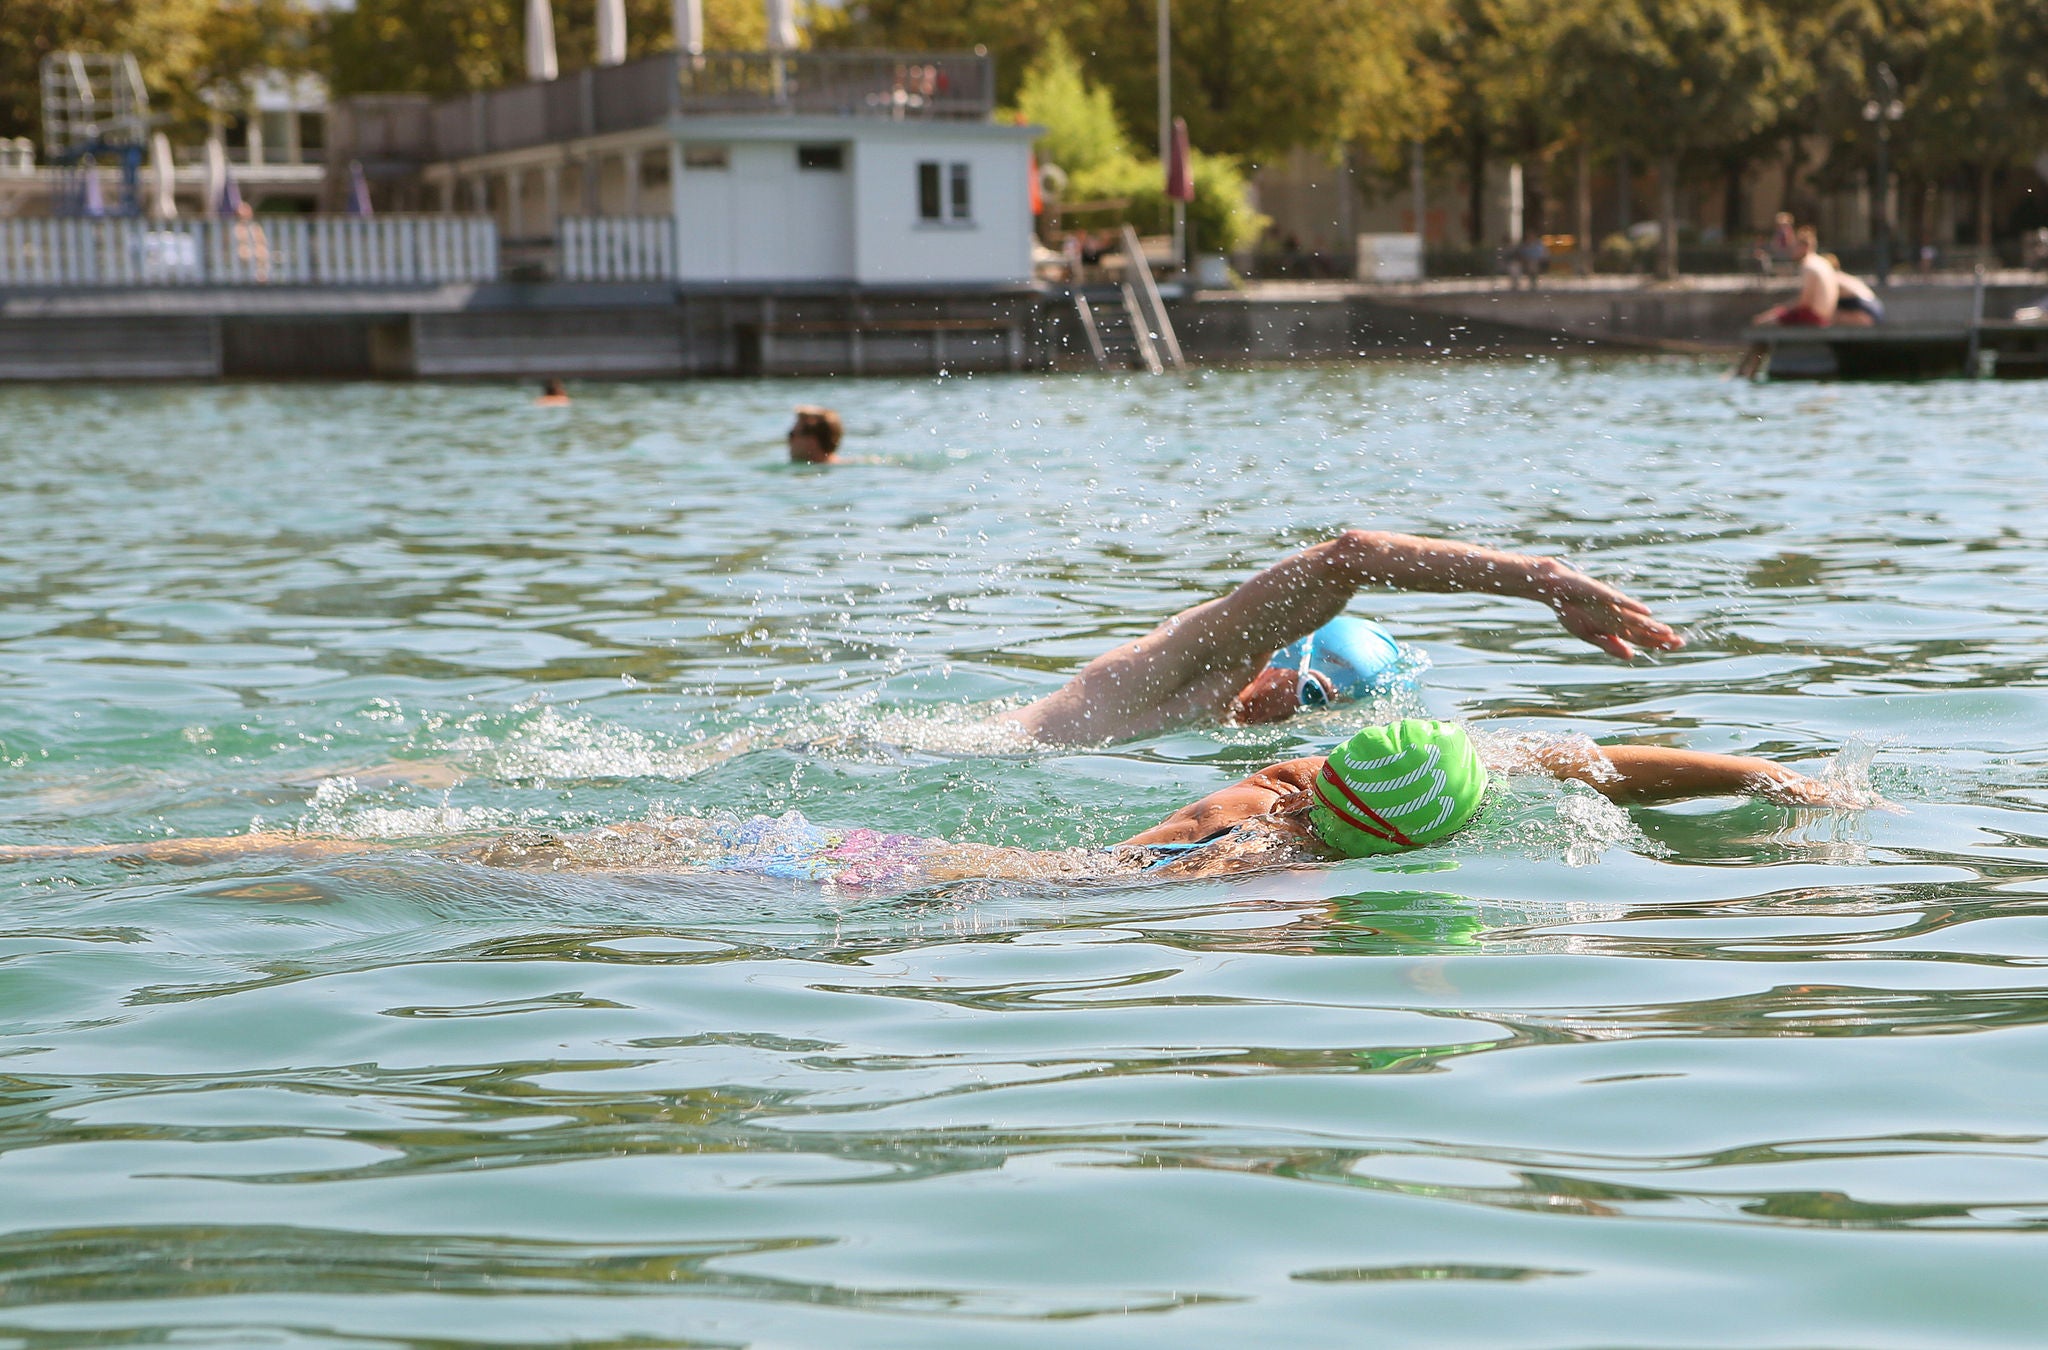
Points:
(1655, 773)
(1590, 610)
(1197, 661)
(191, 852)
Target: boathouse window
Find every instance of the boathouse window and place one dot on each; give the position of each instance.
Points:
(829, 157)
(960, 198)
(706, 157)
(943, 193)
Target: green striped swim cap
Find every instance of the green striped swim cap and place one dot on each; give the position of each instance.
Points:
(1396, 787)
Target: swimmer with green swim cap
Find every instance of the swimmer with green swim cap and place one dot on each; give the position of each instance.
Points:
(1394, 788)
(1387, 790)
(1411, 784)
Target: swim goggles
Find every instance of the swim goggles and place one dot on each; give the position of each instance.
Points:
(1316, 690)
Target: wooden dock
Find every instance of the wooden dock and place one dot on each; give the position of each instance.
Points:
(2000, 349)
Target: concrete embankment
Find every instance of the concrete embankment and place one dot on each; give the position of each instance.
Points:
(1307, 321)
(657, 331)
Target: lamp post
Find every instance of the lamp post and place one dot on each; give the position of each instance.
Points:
(1166, 137)
(1165, 82)
(1882, 111)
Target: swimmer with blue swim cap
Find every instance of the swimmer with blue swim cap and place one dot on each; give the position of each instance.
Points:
(1252, 655)
(1344, 661)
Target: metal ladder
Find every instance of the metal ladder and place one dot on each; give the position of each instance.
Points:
(1152, 344)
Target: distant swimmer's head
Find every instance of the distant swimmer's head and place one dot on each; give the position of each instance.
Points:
(815, 435)
(1397, 787)
(1345, 660)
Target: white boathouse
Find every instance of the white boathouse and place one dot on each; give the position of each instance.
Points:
(747, 169)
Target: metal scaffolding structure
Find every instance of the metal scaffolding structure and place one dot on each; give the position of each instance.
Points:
(95, 109)
(92, 99)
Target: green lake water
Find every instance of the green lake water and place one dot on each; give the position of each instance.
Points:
(1717, 1074)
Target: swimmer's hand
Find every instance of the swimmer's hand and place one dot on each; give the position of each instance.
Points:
(1592, 611)
(1789, 787)
(1645, 774)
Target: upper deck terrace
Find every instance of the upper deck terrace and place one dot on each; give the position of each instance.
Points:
(900, 86)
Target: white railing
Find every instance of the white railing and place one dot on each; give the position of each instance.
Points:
(265, 251)
(618, 248)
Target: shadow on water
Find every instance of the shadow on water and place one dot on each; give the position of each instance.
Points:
(58, 1266)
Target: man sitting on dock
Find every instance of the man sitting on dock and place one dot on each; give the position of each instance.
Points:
(1820, 292)
(1857, 306)
(1820, 287)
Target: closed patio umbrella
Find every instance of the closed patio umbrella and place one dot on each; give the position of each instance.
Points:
(1180, 186)
(92, 198)
(216, 174)
(230, 196)
(540, 41)
(163, 178)
(1180, 170)
(358, 191)
(689, 15)
(611, 32)
(781, 26)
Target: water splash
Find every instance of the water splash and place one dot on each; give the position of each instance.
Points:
(1528, 809)
(333, 813)
(1847, 778)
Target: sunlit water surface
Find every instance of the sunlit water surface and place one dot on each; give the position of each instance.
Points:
(1716, 1074)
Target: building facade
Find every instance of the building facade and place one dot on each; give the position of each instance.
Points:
(767, 169)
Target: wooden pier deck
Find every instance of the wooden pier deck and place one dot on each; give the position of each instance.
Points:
(2001, 349)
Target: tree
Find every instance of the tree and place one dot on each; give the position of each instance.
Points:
(1012, 31)
(1250, 76)
(188, 50)
(1082, 129)
(1220, 218)
(1498, 92)
(452, 46)
(1981, 94)
(1673, 79)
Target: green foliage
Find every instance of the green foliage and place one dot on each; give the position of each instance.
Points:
(452, 46)
(186, 48)
(1250, 76)
(1220, 218)
(1081, 126)
(1669, 77)
(1012, 31)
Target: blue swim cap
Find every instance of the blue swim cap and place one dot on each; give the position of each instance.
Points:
(1357, 656)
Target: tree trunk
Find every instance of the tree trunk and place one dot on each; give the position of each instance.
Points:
(1582, 257)
(1418, 188)
(1475, 193)
(1624, 194)
(1734, 209)
(1535, 195)
(1984, 214)
(1667, 216)
(1795, 162)
(1911, 226)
